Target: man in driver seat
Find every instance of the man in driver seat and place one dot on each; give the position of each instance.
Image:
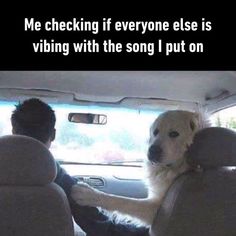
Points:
(36, 119)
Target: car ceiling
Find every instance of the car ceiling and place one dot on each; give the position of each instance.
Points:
(209, 89)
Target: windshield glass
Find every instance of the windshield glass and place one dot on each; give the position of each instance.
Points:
(123, 140)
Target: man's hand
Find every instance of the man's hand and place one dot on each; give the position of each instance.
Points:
(85, 195)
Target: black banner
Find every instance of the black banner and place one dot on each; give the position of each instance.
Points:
(121, 42)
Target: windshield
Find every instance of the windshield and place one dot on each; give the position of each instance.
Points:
(123, 140)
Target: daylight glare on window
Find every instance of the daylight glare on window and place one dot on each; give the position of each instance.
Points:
(225, 118)
(122, 140)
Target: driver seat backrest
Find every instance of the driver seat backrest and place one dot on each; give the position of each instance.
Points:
(203, 202)
(30, 203)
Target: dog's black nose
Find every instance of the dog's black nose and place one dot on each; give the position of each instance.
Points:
(154, 153)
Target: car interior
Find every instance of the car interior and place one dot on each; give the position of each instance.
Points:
(31, 204)
(103, 120)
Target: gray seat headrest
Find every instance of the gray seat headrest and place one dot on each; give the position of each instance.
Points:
(213, 147)
(25, 161)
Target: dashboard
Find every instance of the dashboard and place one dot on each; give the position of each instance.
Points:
(119, 180)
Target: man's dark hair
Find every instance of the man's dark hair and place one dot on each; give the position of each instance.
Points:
(34, 118)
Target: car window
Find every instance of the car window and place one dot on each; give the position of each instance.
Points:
(123, 140)
(225, 118)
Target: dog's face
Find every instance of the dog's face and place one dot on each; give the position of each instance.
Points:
(170, 135)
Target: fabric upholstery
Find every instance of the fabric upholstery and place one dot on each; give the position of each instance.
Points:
(213, 147)
(199, 204)
(30, 205)
(25, 161)
(202, 202)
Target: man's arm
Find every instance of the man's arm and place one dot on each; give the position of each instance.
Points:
(93, 221)
(65, 181)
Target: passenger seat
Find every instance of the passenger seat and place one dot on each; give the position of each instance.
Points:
(203, 202)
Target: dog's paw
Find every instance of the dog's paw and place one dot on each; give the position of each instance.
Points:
(85, 195)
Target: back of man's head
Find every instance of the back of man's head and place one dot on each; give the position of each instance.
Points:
(34, 118)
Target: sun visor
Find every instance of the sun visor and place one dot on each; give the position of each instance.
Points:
(11, 94)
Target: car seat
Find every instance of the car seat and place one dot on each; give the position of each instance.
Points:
(30, 203)
(202, 202)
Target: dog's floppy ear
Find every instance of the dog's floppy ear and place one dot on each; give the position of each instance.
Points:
(192, 125)
(201, 120)
(194, 122)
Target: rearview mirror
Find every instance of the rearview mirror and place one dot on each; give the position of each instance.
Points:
(87, 118)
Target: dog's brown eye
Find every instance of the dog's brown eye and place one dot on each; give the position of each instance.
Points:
(173, 134)
(156, 131)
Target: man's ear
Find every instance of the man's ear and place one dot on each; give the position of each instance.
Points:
(53, 136)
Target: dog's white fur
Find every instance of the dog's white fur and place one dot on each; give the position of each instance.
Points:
(170, 136)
